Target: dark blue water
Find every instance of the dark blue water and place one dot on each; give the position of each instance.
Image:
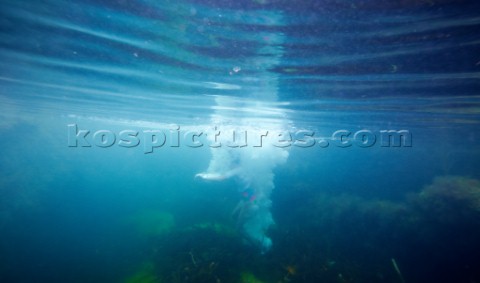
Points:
(147, 195)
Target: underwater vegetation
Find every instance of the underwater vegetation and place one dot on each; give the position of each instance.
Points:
(203, 252)
(435, 228)
(450, 199)
(199, 255)
(152, 223)
(248, 277)
(340, 238)
(444, 229)
(145, 274)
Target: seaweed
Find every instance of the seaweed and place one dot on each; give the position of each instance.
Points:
(145, 274)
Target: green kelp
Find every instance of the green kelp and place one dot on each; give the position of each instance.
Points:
(153, 223)
(451, 196)
(145, 274)
(248, 277)
(450, 208)
(202, 255)
(443, 230)
(334, 234)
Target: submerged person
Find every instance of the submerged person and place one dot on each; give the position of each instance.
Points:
(252, 212)
(245, 208)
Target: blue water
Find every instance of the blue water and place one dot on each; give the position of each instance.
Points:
(158, 207)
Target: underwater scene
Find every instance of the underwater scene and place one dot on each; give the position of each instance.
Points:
(249, 141)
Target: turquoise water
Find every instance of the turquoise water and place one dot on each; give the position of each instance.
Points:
(118, 162)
